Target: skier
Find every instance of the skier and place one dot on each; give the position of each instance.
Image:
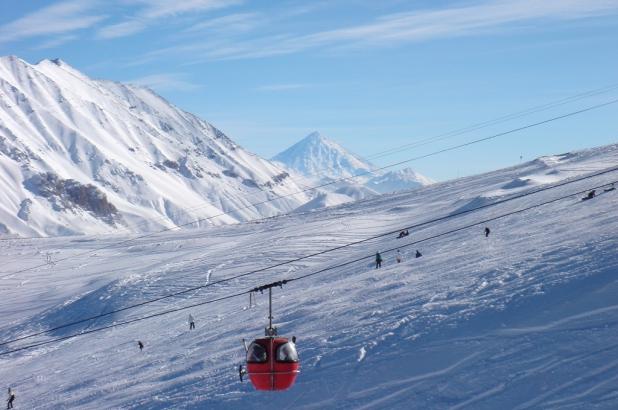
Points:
(590, 195)
(191, 322)
(487, 231)
(9, 403)
(418, 254)
(378, 260)
(398, 256)
(403, 234)
(140, 345)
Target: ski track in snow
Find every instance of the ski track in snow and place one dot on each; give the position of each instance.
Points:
(523, 319)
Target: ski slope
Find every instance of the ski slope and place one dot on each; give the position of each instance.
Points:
(524, 319)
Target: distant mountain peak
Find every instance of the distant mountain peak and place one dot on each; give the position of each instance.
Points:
(316, 136)
(318, 156)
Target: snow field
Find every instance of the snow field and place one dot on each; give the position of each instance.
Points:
(522, 319)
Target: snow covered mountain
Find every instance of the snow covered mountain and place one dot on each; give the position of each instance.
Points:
(84, 156)
(400, 180)
(318, 157)
(523, 319)
(322, 160)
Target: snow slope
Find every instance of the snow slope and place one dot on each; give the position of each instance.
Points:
(524, 319)
(84, 156)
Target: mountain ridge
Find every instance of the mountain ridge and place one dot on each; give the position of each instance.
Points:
(157, 164)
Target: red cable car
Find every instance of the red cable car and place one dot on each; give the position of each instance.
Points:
(272, 361)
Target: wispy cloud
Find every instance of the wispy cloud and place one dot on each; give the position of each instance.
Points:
(56, 42)
(238, 22)
(410, 26)
(123, 29)
(165, 82)
(165, 8)
(429, 24)
(60, 18)
(151, 11)
(282, 87)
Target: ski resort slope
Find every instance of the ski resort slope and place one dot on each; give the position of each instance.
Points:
(523, 319)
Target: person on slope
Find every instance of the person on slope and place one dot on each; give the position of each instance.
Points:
(418, 254)
(487, 231)
(191, 322)
(378, 260)
(398, 256)
(9, 403)
(140, 345)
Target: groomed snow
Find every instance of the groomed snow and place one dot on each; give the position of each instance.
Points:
(524, 319)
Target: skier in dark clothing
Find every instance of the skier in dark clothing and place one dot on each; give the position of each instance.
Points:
(418, 254)
(9, 403)
(378, 260)
(590, 195)
(403, 234)
(487, 232)
(140, 345)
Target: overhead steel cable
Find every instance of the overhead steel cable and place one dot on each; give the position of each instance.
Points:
(301, 277)
(126, 322)
(494, 136)
(499, 120)
(449, 134)
(414, 226)
(483, 222)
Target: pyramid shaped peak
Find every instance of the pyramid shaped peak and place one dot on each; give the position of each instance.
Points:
(55, 61)
(317, 156)
(12, 59)
(315, 136)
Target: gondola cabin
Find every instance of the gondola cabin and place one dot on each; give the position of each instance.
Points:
(272, 363)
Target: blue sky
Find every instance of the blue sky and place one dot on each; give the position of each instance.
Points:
(372, 75)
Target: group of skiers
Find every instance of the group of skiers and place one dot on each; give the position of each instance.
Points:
(378, 260)
(398, 257)
(418, 254)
